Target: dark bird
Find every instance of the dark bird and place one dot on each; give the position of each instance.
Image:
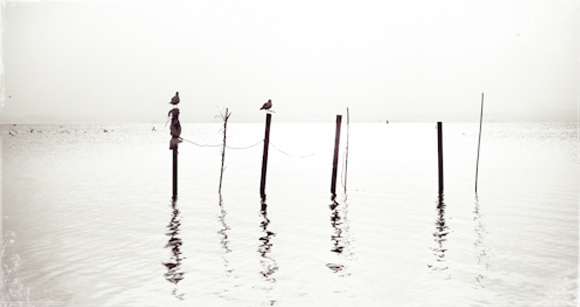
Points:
(267, 105)
(175, 99)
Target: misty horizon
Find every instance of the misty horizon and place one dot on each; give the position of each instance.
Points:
(416, 61)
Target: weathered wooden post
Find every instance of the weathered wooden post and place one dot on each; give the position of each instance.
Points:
(479, 143)
(175, 131)
(175, 171)
(335, 159)
(265, 157)
(440, 151)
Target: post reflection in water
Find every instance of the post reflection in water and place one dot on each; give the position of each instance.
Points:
(440, 238)
(340, 243)
(174, 272)
(480, 248)
(269, 265)
(225, 242)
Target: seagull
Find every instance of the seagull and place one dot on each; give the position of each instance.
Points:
(267, 105)
(175, 99)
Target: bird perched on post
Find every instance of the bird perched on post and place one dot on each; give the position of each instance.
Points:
(175, 99)
(267, 105)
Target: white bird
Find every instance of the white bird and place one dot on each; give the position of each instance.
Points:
(175, 99)
(267, 105)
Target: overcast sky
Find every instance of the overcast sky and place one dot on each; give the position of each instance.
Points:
(408, 60)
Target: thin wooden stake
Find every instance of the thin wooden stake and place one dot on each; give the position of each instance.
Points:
(225, 118)
(479, 143)
(265, 157)
(440, 154)
(335, 159)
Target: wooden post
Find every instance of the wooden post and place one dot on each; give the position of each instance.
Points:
(265, 157)
(479, 144)
(346, 150)
(440, 151)
(174, 172)
(175, 131)
(225, 117)
(335, 159)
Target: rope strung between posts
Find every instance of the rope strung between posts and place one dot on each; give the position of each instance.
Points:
(289, 155)
(219, 145)
(246, 147)
(200, 145)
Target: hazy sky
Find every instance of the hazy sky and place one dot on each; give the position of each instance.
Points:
(408, 60)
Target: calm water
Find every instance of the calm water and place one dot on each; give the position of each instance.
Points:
(88, 219)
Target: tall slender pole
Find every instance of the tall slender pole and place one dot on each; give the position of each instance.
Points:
(175, 131)
(174, 172)
(225, 118)
(335, 159)
(346, 150)
(265, 157)
(479, 143)
(440, 152)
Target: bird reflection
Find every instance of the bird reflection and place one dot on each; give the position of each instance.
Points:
(269, 265)
(480, 247)
(174, 272)
(340, 238)
(440, 237)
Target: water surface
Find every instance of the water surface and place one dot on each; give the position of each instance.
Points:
(88, 216)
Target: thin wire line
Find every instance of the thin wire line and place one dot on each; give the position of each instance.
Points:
(293, 156)
(219, 145)
(200, 145)
(246, 147)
